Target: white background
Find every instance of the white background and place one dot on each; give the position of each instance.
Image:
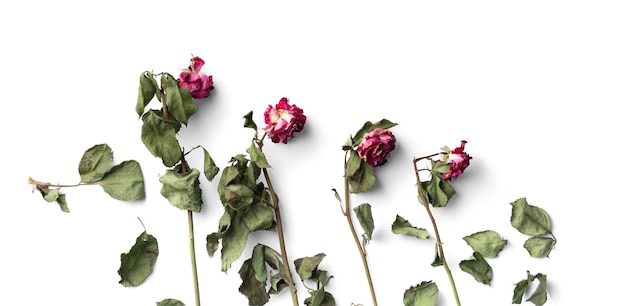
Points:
(535, 87)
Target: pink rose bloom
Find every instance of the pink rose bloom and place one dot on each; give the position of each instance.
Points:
(459, 160)
(195, 80)
(376, 147)
(283, 120)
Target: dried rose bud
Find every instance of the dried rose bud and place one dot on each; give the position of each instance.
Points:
(459, 160)
(283, 120)
(195, 80)
(376, 147)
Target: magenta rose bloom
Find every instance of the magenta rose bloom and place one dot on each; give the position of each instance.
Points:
(283, 120)
(195, 80)
(376, 147)
(459, 160)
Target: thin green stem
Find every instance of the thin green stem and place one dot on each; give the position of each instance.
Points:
(424, 201)
(192, 252)
(192, 244)
(348, 215)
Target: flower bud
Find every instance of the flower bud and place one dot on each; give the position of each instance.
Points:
(195, 80)
(376, 147)
(459, 160)
(283, 121)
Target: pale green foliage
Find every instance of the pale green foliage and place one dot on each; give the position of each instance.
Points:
(364, 215)
(170, 302)
(95, 163)
(488, 243)
(402, 226)
(124, 182)
(308, 271)
(539, 247)
(424, 294)
(137, 264)
(528, 219)
(478, 267)
(182, 190)
(539, 296)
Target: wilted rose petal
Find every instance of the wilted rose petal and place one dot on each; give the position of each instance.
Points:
(283, 121)
(459, 160)
(376, 147)
(195, 80)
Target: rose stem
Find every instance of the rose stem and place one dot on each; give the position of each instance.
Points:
(424, 201)
(192, 247)
(348, 215)
(281, 233)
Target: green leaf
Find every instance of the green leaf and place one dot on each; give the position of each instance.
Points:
(238, 196)
(528, 219)
(539, 247)
(147, 89)
(137, 264)
(368, 127)
(95, 163)
(62, 203)
(320, 298)
(306, 266)
(257, 156)
(424, 294)
(160, 139)
(439, 191)
(478, 268)
(364, 215)
(488, 243)
(210, 169)
(251, 287)
(182, 190)
(440, 167)
(437, 260)
(50, 195)
(363, 179)
(124, 182)
(402, 226)
(179, 101)
(258, 263)
(540, 295)
(170, 302)
(233, 242)
(212, 243)
(518, 292)
(354, 163)
(259, 217)
(249, 122)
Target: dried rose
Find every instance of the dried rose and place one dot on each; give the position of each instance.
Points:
(195, 80)
(376, 147)
(283, 120)
(459, 160)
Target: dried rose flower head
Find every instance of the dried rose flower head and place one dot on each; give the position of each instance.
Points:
(195, 80)
(376, 147)
(458, 159)
(283, 120)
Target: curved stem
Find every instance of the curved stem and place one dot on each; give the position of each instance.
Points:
(348, 215)
(192, 251)
(424, 201)
(281, 239)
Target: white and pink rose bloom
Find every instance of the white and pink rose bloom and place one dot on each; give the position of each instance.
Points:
(458, 160)
(199, 83)
(376, 147)
(283, 120)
